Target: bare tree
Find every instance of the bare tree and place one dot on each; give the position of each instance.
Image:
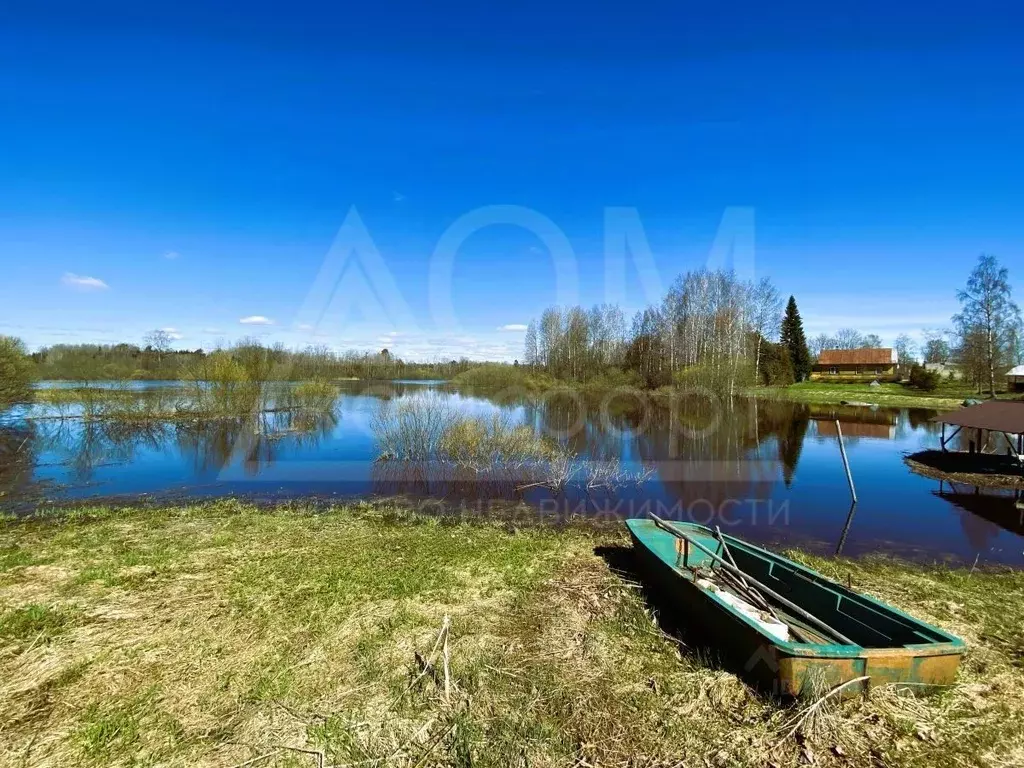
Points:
(159, 340)
(972, 357)
(937, 348)
(988, 313)
(848, 338)
(765, 315)
(530, 344)
(906, 353)
(821, 342)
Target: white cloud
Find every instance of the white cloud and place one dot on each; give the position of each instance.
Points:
(212, 330)
(83, 283)
(173, 334)
(255, 320)
(171, 255)
(397, 197)
(304, 327)
(512, 327)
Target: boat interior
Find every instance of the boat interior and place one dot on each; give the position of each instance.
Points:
(860, 619)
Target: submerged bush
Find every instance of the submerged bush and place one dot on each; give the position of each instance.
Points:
(482, 442)
(220, 384)
(410, 429)
(425, 430)
(316, 395)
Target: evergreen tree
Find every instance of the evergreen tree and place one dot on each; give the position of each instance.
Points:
(793, 339)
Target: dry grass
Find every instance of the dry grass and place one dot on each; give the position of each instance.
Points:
(220, 634)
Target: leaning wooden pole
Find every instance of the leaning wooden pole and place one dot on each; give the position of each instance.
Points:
(846, 462)
(763, 587)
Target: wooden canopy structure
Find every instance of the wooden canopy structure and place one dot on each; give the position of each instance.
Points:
(1005, 417)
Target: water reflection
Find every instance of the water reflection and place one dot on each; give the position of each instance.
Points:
(846, 528)
(768, 471)
(984, 512)
(17, 462)
(210, 445)
(252, 443)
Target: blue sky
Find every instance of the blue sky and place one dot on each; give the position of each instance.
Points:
(188, 165)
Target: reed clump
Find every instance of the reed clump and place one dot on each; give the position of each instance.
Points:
(425, 430)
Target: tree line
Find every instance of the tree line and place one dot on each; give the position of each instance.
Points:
(715, 330)
(712, 329)
(95, 362)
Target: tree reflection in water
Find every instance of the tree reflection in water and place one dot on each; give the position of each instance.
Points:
(253, 441)
(18, 462)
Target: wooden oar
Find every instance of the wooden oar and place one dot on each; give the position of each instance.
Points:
(764, 588)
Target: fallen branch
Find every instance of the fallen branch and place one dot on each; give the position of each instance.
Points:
(427, 664)
(433, 745)
(801, 718)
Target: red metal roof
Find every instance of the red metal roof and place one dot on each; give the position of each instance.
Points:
(866, 356)
(995, 415)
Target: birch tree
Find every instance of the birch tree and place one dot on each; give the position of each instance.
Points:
(988, 316)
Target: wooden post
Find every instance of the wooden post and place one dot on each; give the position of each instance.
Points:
(943, 437)
(846, 462)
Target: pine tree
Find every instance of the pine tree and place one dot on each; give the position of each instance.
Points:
(793, 339)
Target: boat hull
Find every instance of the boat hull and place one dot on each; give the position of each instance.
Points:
(792, 668)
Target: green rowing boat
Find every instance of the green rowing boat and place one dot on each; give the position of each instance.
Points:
(792, 630)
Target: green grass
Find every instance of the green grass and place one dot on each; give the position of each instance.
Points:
(947, 395)
(35, 622)
(214, 634)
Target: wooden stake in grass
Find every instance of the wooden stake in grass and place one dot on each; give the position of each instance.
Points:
(445, 628)
(427, 664)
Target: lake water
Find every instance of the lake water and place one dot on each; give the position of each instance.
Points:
(770, 472)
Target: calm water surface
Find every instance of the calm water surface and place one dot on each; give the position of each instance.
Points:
(770, 472)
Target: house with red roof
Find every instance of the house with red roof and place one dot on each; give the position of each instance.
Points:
(865, 364)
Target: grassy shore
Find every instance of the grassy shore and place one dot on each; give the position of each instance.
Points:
(946, 396)
(221, 633)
